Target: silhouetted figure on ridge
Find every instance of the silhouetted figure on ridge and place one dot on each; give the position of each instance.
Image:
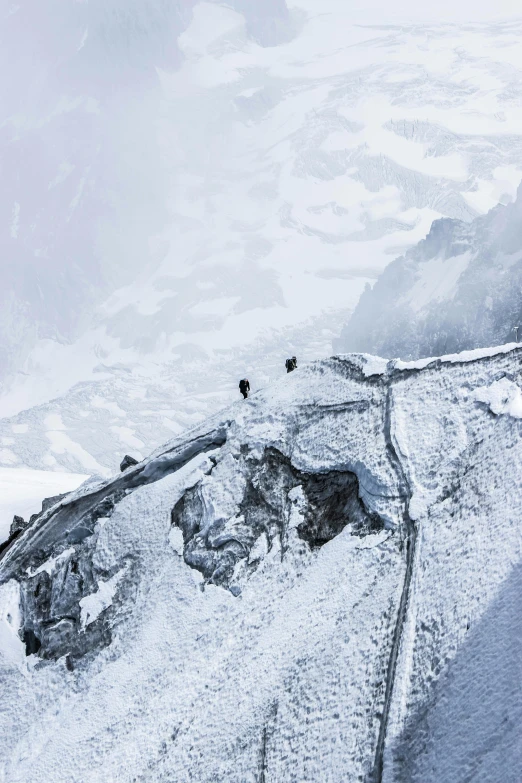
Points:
(291, 364)
(244, 387)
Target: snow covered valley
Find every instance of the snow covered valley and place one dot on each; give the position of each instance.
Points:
(321, 583)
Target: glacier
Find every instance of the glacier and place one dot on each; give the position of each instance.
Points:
(194, 190)
(321, 582)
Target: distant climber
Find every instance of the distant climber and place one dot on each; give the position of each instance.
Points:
(291, 364)
(244, 387)
(127, 462)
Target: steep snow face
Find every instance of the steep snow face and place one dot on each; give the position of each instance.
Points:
(320, 583)
(460, 288)
(182, 179)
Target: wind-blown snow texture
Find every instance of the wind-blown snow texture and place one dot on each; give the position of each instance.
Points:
(321, 583)
(191, 187)
(459, 289)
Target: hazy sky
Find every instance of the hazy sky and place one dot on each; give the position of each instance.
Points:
(442, 10)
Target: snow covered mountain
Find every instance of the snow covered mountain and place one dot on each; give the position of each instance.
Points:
(460, 288)
(320, 583)
(186, 183)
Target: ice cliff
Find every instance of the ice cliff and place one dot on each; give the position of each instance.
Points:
(458, 289)
(321, 583)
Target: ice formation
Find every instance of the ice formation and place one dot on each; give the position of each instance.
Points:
(321, 583)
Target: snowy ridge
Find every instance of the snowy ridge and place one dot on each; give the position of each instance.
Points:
(375, 365)
(292, 590)
(136, 408)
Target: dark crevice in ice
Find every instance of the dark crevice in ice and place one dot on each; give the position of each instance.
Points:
(331, 503)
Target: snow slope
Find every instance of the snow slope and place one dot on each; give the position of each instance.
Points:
(460, 288)
(320, 583)
(186, 182)
(137, 407)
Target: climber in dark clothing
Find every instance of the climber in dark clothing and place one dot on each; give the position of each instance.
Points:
(244, 387)
(291, 364)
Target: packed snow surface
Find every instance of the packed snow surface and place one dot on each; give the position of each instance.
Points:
(320, 583)
(503, 396)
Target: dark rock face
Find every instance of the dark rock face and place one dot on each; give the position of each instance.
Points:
(330, 502)
(32, 642)
(52, 624)
(47, 503)
(333, 502)
(271, 503)
(17, 525)
(127, 462)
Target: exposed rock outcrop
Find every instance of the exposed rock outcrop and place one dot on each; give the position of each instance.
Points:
(127, 462)
(17, 525)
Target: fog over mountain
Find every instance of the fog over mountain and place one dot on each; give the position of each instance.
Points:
(193, 191)
(460, 288)
(87, 182)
